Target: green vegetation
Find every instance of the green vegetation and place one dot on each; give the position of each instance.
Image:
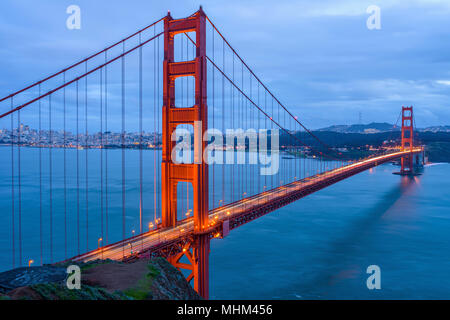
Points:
(58, 291)
(91, 264)
(153, 271)
(143, 288)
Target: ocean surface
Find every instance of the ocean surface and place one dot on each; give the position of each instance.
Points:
(320, 247)
(316, 248)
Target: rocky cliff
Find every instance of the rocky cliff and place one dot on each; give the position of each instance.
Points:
(100, 280)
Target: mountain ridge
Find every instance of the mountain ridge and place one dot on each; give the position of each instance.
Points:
(377, 127)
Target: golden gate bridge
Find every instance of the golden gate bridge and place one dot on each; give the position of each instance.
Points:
(173, 74)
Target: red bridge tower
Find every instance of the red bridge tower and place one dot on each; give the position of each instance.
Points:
(197, 250)
(407, 140)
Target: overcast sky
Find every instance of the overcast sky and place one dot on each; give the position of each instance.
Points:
(318, 57)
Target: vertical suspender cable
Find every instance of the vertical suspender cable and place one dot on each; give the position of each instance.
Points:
(123, 147)
(286, 164)
(231, 121)
(102, 236)
(249, 122)
(19, 184)
(271, 132)
(12, 190)
(86, 152)
(140, 139)
(232, 142)
(267, 144)
(242, 126)
(213, 117)
(106, 152)
(223, 118)
(155, 120)
(282, 163)
(303, 155)
(50, 164)
(259, 151)
(40, 183)
(65, 168)
(78, 170)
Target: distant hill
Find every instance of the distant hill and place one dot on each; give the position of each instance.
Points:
(374, 127)
(436, 129)
(377, 127)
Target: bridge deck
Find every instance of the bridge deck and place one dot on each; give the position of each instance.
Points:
(170, 240)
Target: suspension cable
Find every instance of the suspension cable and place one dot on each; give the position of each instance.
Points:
(79, 77)
(80, 62)
(273, 96)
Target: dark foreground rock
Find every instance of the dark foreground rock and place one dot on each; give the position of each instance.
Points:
(100, 280)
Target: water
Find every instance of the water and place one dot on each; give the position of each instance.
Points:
(316, 248)
(319, 247)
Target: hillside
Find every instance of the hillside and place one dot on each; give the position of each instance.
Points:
(373, 127)
(357, 144)
(154, 279)
(378, 127)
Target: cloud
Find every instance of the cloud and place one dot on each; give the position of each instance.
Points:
(443, 82)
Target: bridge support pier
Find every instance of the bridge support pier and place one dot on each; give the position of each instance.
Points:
(196, 173)
(196, 254)
(201, 266)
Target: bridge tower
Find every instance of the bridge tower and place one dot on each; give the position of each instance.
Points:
(196, 173)
(407, 166)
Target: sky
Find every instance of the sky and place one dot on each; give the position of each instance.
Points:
(318, 57)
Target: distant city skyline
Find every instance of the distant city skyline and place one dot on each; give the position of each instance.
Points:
(34, 137)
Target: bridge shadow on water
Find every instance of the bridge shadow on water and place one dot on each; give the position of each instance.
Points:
(337, 264)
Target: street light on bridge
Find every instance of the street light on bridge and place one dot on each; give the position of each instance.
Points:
(243, 195)
(30, 262)
(98, 245)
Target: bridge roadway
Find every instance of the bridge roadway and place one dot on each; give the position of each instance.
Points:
(169, 241)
